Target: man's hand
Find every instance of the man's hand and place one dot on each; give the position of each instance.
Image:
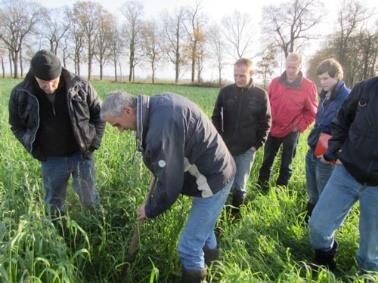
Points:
(141, 213)
(322, 160)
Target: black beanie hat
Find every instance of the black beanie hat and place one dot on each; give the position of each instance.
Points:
(45, 65)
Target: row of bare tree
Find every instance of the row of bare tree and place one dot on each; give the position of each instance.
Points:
(87, 33)
(354, 43)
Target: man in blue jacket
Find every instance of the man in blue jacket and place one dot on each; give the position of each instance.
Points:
(332, 96)
(353, 147)
(185, 153)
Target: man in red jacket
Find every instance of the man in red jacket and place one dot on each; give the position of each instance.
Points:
(293, 104)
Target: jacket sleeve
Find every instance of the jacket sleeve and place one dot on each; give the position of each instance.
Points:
(94, 104)
(217, 116)
(309, 110)
(342, 123)
(265, 122)
(18, 127)
(164, 155)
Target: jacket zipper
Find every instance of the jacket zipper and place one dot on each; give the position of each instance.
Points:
(239, 110)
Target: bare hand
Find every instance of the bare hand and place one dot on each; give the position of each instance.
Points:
(322, 160)
(141, 212)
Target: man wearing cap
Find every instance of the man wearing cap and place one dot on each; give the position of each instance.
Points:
(56, 117)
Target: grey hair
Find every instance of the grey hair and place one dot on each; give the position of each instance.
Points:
(116, 101)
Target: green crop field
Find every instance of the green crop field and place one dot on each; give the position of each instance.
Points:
(269, 244)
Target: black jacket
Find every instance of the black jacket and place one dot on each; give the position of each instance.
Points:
(83, 106)
(242, 116)
(182, 149)
(355, 133)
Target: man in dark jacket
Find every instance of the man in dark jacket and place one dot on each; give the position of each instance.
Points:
(242, 117)
(56, 117)
(354, 146)
(186, 155)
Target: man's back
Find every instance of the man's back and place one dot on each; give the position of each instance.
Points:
(180, 138)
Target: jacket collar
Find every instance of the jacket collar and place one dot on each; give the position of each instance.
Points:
(295, 84)
(248, 86)
(336, 89)
(143, 109)
(70, 81)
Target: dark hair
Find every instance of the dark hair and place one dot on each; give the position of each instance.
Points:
(332, 67)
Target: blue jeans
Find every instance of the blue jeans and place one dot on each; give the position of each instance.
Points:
(272, 145)
(333, 206)
(317, 175)
(56, 172)
(199, 229)
(244, 162)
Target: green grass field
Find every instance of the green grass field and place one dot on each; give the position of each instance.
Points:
(269, 244)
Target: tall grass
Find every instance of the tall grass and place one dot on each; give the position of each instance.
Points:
(270, 242)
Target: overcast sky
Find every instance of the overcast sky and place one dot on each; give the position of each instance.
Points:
(216, 10)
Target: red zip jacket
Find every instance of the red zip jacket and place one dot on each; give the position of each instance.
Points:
(293, 107)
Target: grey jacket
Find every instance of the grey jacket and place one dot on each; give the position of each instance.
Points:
(83, 106)
(183, 150)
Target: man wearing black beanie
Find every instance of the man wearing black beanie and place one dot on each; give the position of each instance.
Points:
(56, 117)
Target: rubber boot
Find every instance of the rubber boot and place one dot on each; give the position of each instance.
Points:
(263, 186)
(309, 209)
(327, 258)
(193, 276)
(210, 255)
(237, 200)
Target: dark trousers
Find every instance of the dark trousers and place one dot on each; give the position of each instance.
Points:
(272, 145)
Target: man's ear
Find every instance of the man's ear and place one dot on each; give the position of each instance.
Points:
(126, 110)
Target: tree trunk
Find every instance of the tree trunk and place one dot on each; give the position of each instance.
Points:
(193, 64)
(10, 63)
(89, 62)
(2, 66)
(64, 58)
(15, 64)
(101, 70)
(153, 72)
(176, 72)
(78, 65)
(21, 64)
(131, 65)
(120, 71)
(115, 70)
